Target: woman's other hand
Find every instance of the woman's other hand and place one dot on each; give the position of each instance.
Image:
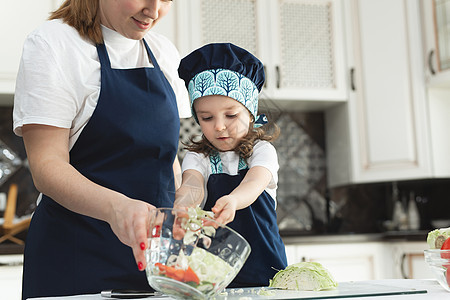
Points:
(129, 220)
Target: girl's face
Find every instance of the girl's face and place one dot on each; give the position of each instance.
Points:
(223, 120)
(132, 18)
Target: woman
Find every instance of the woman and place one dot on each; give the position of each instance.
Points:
(98, 101)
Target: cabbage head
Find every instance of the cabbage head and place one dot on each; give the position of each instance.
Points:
(304, 276)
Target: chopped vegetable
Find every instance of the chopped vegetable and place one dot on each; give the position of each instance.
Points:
(437, 237)
(187, 275)
(209, 267)
(199, 268)
(304, 276)
(446, 246)
(190, 276)
(195, 225)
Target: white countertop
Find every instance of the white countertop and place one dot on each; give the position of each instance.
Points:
(434, 292)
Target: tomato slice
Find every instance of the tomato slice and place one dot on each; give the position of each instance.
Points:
(446, 246)
(190, 276)
(187, 275)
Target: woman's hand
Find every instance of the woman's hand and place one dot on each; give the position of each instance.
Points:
(129, 220)
(225, 209)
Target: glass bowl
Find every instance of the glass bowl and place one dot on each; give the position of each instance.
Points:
(439, 262)
(191, 256)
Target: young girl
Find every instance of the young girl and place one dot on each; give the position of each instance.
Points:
(232, 170)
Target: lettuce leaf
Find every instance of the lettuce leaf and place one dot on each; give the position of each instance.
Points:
(304, 276)
(436, 238)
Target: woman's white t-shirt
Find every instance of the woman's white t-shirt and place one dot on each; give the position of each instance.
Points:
(264, 155)
(58, 82)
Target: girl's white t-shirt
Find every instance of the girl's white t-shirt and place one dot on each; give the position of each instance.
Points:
(58, 81)
(264, 155)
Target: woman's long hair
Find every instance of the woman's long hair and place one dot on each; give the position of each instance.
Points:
(83, 16)
(245, 146)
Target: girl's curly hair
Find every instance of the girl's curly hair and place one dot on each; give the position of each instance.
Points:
(244, 148)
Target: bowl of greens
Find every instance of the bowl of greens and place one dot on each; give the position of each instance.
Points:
(438, 256)
(190, 255)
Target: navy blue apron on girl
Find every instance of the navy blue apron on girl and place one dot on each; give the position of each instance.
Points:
(257, 223)
(128, 145)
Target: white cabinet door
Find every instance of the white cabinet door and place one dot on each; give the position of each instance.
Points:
(409, 261)
(436, 32)
(386, 137)
(306, 40)
(365, 260)
(17, 20)
(300, 42)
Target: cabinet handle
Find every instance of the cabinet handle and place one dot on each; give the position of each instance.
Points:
(430, 62)
(402, 267)
(277, 69)
(352, 79)
(265, 74)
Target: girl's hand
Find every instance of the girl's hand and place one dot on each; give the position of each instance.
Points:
(129, 221)
(225, 209)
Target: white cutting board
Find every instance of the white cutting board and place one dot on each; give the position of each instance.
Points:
(344, 290)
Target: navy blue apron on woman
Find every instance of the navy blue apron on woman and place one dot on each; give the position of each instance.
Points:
(128, 145)
(256, 223)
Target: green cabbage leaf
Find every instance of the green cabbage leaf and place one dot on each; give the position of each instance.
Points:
(304, 276)
(436, 238)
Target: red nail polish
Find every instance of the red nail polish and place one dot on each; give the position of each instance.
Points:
(140, 266)
(142, 246)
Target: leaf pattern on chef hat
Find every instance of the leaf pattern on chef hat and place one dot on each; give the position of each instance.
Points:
(237, 96)
(248, 91)
(215, 90)
(227, 80)
(203, 81)
(227, 83)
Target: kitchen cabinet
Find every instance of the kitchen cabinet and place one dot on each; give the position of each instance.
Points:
(365, 260)
(16, 26)
(300, 43)
(11, 276)
(383, 132)
(346, 261)
(436, 33)
(409, 261)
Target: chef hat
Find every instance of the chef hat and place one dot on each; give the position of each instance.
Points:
(224, 69)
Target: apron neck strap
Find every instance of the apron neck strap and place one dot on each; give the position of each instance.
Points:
(216, 163)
